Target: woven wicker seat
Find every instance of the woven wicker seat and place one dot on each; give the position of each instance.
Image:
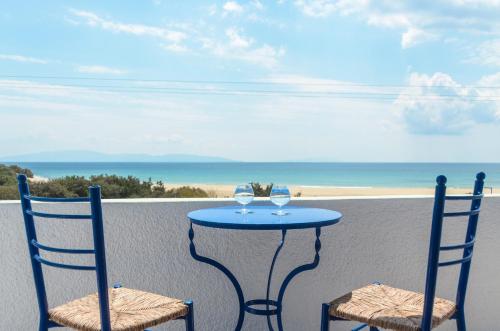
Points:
(389, 308)
(130, 310)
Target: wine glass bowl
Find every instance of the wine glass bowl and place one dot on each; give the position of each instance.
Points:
(280, 196)
(243, 194)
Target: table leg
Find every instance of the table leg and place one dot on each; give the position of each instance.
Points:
(295, 272)
(280, 246)
(232, 278)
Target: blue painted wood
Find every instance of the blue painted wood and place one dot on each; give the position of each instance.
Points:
(225, 271)
(269, 278)
(462, 213)
(100, 256)
(60, 216)
(464, 197)
(435, 247)
(433, 258)
(36, 266)
(37, 261)
(45, 199)
(190, 316)
(263, 312)
(458, 246)
(325, 317)
(470, 236)
(262, 218)
(453, 262)
(295, 272)
(61, 250)
(62, 265)
(34, 248)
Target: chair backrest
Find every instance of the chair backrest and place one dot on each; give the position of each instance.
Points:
(35, 247)
(435, 248)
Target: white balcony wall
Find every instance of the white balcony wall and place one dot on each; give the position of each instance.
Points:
(382, 240)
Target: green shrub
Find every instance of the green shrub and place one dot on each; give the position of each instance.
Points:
(186, 192)
(260, 191)
(51, 189)
(9, 193)
(112, 186)
(78, 185)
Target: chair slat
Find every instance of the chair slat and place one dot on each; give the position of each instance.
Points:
(61, 250)
(459, 261)
(464, 197)
(45, 199)
(462, 213)
(60, 216)
(63, 265)
(360, 327)
(459, 246)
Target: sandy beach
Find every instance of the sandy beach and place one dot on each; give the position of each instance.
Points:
(226, 191)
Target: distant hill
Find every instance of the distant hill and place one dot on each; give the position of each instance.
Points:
(90, 156)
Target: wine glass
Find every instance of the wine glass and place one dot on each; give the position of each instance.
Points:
(280, 196)
(243, 194)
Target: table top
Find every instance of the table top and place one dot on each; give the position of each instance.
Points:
(262, 218)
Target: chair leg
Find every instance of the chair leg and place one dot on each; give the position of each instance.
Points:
(190, 316)
(43, 325)
(461, 322)
(325, 317)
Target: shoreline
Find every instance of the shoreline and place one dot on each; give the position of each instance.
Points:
(312, 191)
(226, 191)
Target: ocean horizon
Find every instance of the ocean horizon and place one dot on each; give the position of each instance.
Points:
(313, 174)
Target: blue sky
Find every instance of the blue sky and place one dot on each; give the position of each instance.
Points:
(253, 80)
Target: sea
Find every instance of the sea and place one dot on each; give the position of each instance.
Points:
(360, 175)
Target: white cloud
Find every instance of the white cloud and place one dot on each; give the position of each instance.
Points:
(239, 47)
(236, 46)
(22, 58)
(322, 85)
(236, 40)
(323, 8)
(475, 3)
(257, 4)
(212, 9)
(417, 24)
(176, 48)
(232, 7)
(97, 69)
(137, 122)
(490, 80)
(438, 105)
(94, 20)
(415, 36)
(389, 20)
(265, 55)
(316, 8)
(486, 53)
(117, 115)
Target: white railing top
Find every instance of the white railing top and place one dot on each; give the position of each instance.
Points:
(158, 200)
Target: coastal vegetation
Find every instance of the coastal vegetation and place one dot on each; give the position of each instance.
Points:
(261, 191)
(113, 186)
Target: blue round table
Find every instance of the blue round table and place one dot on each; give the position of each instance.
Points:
(262, 218)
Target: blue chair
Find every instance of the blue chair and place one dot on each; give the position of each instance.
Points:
(116, 308)
(382, 306)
